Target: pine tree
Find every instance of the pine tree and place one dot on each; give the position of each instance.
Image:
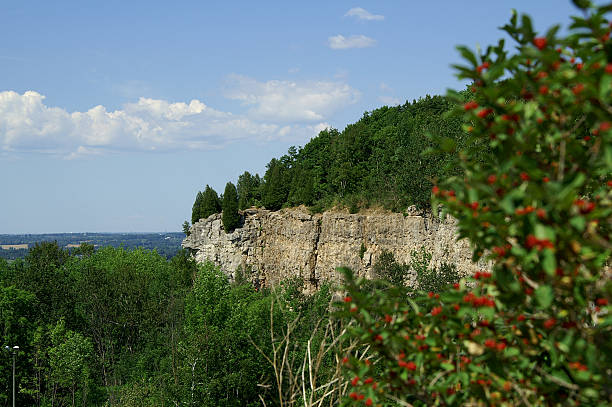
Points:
(210, 203)
(230, 217)
(195, 211)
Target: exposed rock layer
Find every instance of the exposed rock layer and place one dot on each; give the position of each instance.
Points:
(273, 246)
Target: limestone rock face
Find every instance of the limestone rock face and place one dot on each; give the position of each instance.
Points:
(272, 246)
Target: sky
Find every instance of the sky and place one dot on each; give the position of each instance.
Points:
(113, 114)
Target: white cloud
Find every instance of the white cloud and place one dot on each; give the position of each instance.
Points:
(390, 100)
(27, 124)
(354, 41)
(384, 87)
(362, 14)
(290, 101)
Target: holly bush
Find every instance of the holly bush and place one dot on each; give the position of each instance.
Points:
(535, 198)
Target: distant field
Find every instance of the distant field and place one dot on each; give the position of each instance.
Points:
(167, 244)
(14, 246)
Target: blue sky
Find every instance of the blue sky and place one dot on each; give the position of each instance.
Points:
(113, 115)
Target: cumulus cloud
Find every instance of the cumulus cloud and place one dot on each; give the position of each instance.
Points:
(290, 101)
(354, 41)
(362, 14)
(27, 124)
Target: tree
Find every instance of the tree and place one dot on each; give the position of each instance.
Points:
(69, 358)
(211, 203)
(230, 216)
(206, 204)
(186, 228)
(196, 209)
(537, 203)
(248, 190)
(275, 187)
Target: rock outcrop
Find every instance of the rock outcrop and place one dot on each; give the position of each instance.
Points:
(272, 246)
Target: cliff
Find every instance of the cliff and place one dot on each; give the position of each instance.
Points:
(273, 246)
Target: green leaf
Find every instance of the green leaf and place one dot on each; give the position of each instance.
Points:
(604, 86)
(549, 263)
(578, 222)
(511, 352)
(467, 54)
(447, 366)
(544, 295)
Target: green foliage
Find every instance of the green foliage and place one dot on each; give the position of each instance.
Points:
(388, 269)
(248, 187)
(362, 250)
(230, 216)
(275, 186)
(384, 159)
(206, 204)
(186, 227)
(69, 359)
(432, 279)
(538, 204)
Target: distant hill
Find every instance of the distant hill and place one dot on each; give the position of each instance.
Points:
(167, 244)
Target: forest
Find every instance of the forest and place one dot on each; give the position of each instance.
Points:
(128, 327)
(377, 161)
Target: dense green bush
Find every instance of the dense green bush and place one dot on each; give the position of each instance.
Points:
(536, 329)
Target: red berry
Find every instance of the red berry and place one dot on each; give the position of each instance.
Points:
(524, 176)
(609, 68)
(348, 299)
(540, 42)
(470, 105)
(480, 68)
(436, 310)
(549, 323)
(368, 402)
(543, 90)
(355, 381)
(578, 89)
(602, 301)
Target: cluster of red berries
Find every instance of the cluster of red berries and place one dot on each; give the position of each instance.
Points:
(584, 206)
(578, 366)
(482, 274)
(491, 344)
(484, 301)
(540, 244)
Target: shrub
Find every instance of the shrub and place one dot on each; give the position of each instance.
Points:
(535, 330)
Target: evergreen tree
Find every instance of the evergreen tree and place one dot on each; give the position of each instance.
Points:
(195, 210)
(230, 217)
(248, 190)
(186, 228)
(210, 203)
(275, 189)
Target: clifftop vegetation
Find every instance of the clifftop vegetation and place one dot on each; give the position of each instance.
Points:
(376, 161)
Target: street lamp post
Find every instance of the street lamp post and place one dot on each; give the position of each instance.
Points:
(14, 350)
